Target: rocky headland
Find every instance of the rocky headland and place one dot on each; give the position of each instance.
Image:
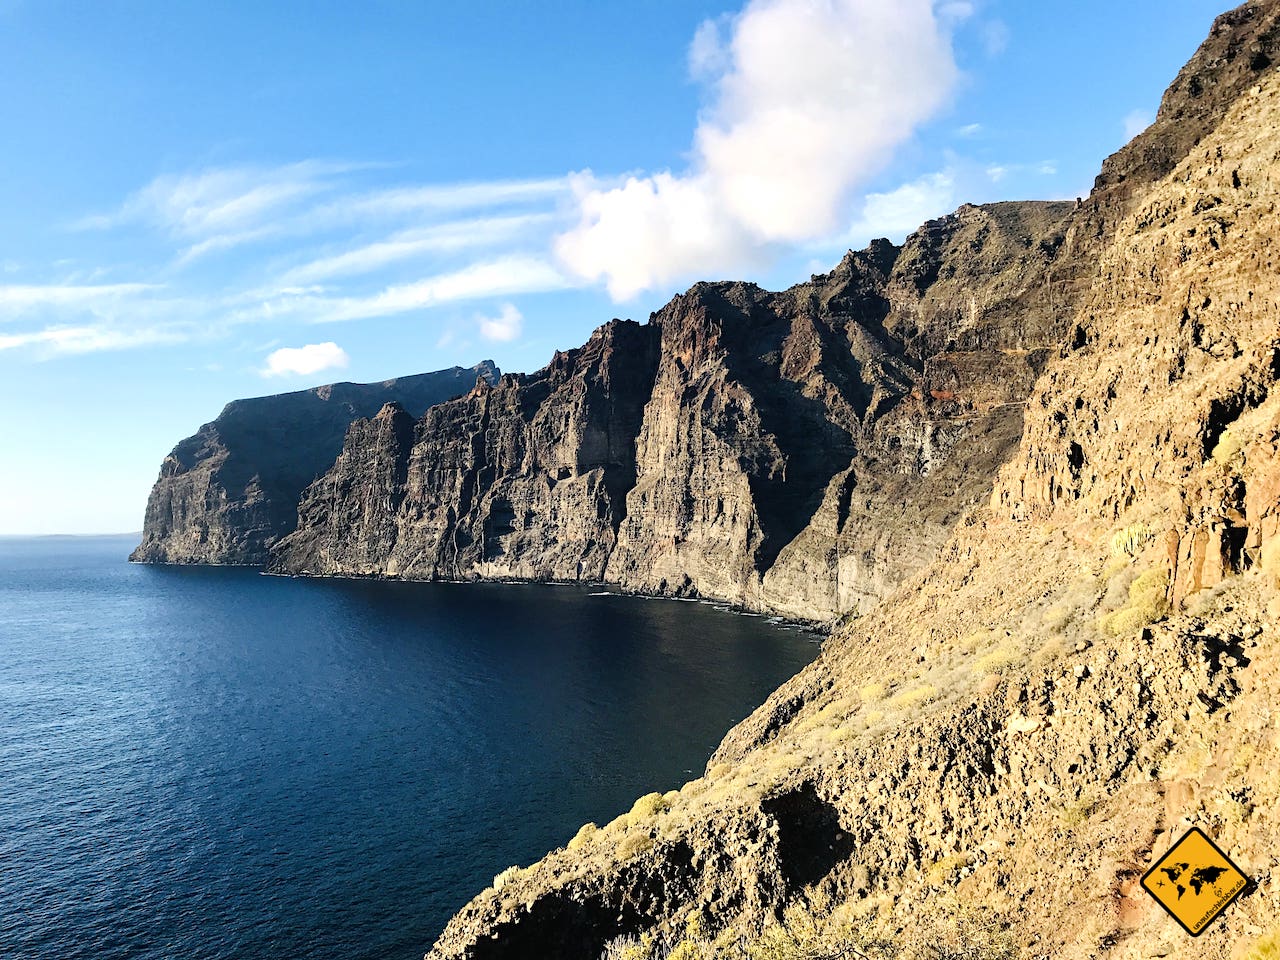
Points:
(227, 494)
(1028, 464)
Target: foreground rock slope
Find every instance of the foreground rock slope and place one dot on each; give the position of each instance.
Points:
(987, 762)
(228, 493)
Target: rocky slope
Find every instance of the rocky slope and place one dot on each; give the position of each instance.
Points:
(987, 762)
(228, 493)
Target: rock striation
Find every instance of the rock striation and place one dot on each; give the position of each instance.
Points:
(230, 492)
(988, 762)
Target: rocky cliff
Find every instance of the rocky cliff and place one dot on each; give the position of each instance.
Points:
(228, 493)
(987, 762)
(801, 452)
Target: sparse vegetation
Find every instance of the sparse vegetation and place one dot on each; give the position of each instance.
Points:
(996, 661)
(811, 930)
(1148, 602)
(586, 833)
(915, 697)
(1131, 540)
(634, 844)
(1266, 947)
(649, 806)
(1228, 446)
(505, 877)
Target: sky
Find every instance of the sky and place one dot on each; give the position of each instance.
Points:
(200, 202)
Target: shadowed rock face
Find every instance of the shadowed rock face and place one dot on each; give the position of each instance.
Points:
(523, 478)
(228, 493)
(799, 452)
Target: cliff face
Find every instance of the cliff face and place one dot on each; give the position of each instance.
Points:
(988, 763)
(800, 452)
(228, 493)
(524, 478)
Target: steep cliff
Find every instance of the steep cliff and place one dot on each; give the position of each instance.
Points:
(800, 452)
(522, 478)
(229, 492)
(988, 762)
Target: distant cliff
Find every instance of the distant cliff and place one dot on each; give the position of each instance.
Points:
(800, 452)
(228, 493)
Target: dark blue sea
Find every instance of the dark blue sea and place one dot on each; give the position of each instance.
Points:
(203, 762)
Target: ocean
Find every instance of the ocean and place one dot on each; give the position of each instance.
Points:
(210, 763)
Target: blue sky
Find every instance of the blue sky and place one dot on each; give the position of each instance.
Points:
(207, 201)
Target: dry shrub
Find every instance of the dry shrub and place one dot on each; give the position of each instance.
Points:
(634, 844)
(586, 833)
(1148, 602)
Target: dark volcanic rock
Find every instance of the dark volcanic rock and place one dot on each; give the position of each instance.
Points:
(523, 478)
(800, 451)
(228, 493)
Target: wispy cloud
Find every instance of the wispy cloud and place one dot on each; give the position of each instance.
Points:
(16, 298)
(504, 277)
(444, 198)
(326, 247)
(91, 339)
(218, 201)
(407, 244)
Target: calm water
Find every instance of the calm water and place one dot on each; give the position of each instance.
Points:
(210, 763)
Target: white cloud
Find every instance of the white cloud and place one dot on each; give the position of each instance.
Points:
(14, 298)
(809, 100)
(91, 338)
(997, 172)
(1135, 121)
(898, 212)
(304, 361)
(406, 244)
(503, 328)
(505, 276)
(708, 55)
(969, 130)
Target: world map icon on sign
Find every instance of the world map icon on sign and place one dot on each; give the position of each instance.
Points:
(1194, 881)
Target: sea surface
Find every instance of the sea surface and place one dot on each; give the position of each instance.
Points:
(204, 762)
